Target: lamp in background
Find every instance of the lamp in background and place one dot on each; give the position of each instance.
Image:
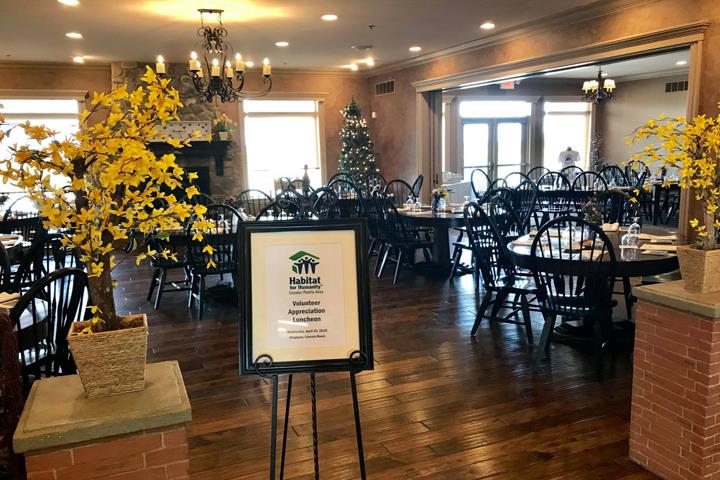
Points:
(593, 92)
(215, 76)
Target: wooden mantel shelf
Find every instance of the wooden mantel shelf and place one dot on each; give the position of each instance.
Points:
(216, 148)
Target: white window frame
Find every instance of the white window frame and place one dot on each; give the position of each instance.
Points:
(320, 114)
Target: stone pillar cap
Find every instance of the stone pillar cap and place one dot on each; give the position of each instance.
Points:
(57, 412)
(674, 295)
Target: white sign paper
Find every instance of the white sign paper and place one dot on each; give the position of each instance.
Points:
(305, 304)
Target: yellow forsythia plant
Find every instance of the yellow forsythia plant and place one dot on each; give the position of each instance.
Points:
(103, 183)
(693, 148)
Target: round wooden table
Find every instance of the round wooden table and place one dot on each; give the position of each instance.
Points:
(630, 262)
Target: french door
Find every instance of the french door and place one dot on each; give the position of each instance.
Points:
(496, 145)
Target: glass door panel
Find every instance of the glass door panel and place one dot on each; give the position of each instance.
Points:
(510, 148)
(476, 147)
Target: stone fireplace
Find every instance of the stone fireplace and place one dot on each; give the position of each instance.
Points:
(218, 164)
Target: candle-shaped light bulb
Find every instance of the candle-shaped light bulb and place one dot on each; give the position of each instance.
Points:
(267, 70)
(194, 64)
(160, 65)
(228, 70)
(239, 63)
(215, 70)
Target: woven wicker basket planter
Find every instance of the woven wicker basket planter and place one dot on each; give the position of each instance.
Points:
(110, 363)
(700, 269)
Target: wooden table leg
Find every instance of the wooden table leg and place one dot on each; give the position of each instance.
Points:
(441, 248)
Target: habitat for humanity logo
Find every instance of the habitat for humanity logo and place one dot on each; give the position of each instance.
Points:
(304, 262)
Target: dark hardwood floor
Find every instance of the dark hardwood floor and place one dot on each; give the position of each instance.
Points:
(439, 404)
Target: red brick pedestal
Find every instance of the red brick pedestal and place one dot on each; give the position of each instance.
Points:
(675, 419)
(134, 436)
(151, 455)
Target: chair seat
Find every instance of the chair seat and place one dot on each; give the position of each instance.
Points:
(516, 284)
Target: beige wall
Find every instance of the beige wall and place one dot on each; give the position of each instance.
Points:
(394, 129)
(635, 103)
(54, 77)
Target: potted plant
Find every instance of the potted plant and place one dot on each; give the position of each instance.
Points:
(222, 127)
(97, 187)
(439, 198)
(692, 147)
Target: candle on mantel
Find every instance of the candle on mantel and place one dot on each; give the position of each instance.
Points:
(215, 71)
(266, 67)
(160, 65)
(194, 64)
(228, 70)
(239, 64)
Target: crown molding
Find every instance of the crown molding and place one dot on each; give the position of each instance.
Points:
(635, 45)
(575, 15)
(54, 65)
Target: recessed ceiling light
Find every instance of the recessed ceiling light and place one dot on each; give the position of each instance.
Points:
(70, 3)
(353, 67)
(680, 63)
(79, 59)
(370, 61)
(487, 26)
(415, 48)
(281, 44)
(249, 64)
(74, 35)
(330, 17)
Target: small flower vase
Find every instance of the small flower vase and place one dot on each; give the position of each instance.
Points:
(224, 135)
(438, 204)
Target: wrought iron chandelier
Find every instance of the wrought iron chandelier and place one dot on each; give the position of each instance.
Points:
(216, 77)
(596, 94)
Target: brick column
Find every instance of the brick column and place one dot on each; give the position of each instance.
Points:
(135, 436)
(146, 455)
(675, 416)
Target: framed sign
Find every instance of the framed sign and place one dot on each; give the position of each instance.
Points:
(305, 302)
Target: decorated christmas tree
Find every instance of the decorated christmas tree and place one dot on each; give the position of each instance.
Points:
(357, 157)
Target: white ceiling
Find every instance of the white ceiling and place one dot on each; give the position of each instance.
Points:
(137, 30)
(662, 64)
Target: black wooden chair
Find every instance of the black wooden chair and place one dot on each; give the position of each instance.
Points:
(614, 176)
(589, 182)
(571, 172)
(251, 201)
(480, 184)
(499, 278)
(223, 238)
(375, 229)
(277, 212)
(372, 182)
(498, 183)
(398, 238)
(162, 265)
(340, 176)
(399, 192)
(574, 278)
(45, 255)
(28, 227)
(524, 200)
(417, 185)
(514, 179)
(535, 173)
(42, 318)
(324, 204)
(349, 195)
(20, 208)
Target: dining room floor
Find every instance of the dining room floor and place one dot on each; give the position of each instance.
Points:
(439, 404)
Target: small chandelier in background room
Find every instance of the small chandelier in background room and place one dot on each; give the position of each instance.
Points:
(216, 77)
(595, 93)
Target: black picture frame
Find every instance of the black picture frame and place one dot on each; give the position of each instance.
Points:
(258, 363)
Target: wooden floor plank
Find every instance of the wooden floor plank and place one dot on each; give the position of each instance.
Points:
(440, 404)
